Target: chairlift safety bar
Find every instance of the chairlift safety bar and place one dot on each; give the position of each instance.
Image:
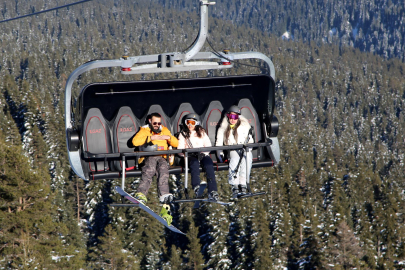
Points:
(175, 151)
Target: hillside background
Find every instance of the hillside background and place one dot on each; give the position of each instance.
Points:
(336, 201)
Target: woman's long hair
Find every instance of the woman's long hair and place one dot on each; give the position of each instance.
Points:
(235, 130)
(198, 129)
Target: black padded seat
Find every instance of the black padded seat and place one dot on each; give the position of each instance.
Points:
(157, 109)
(210, 122)
(125, 125)
(249, 112)
(255, 164)
(138, 173)
(104, 175)
(177, 118)
(97, 140)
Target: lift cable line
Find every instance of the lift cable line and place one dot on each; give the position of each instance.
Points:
(47, 10)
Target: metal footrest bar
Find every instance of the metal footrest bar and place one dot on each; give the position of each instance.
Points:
(123, 205)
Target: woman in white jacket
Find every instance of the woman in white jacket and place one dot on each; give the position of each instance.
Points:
(195, 136)
(235, 129)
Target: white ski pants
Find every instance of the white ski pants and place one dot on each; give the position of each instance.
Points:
(243, 173)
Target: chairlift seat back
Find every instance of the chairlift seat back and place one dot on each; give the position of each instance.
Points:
(211, 120)
(249, 112)
(156, 108)
(125, 126)
(97, 140)
(178, 118)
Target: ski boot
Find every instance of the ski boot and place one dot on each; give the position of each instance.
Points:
(196, 189)
(242, 190)
(141, 197)
(165, 213)
(213, 196)
(166, 199)
(199, 190)
(235, 191)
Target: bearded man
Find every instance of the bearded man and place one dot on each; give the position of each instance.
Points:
(156, 135)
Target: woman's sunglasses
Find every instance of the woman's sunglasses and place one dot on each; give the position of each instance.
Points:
(191, 122)
(233, 116)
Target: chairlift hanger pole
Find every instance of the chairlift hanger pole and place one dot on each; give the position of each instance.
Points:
(202, 34)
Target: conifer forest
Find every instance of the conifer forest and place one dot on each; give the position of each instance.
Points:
(335, 201)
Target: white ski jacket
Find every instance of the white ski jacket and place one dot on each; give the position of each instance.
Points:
(242, 132)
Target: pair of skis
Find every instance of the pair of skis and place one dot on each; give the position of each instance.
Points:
(147, 209)
(200, 198)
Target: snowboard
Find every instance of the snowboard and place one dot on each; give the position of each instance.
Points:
(148, 210)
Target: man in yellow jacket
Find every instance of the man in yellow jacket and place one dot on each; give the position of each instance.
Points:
(155, 134)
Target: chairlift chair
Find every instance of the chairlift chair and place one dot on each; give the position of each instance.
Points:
(100, 126)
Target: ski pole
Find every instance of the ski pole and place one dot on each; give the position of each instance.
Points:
(241, 154)
(123, 173)
(186, 174)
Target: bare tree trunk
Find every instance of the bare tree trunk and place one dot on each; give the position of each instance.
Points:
(271, 193)
(78, 200)
(301, 236)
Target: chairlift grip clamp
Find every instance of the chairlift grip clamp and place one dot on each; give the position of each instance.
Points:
(206, 2)
(128, 62)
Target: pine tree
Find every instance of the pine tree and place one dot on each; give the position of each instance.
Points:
(194, 256)
(39, 149)
(108, 252)
(175, 259)
(262, 252)
(214, 235)
(9, 126)
(142, 234)
(311, 251)
(29, 232)
(345, 247)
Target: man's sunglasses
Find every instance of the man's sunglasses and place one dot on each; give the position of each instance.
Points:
(156, 123)
(233, 116)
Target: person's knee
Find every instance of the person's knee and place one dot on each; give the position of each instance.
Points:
(163, 174)
(194, 165)
(193, 162)
(163, 165)
(148, 172)
(209, 170)
(195, 174)
(195, 168)
(207, 160)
